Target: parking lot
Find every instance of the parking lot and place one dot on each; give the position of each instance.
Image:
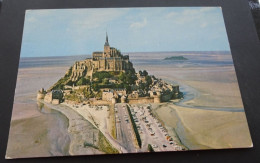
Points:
(151, 130)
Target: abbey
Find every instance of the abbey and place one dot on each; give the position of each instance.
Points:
(110, 59)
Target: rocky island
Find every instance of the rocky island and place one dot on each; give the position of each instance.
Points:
(108, 78)
(178, 58)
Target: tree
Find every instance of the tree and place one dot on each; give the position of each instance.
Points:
(70, 83)
(148, 80)
(145, 73)
(140, 72)
(142, 86)
(83, 81)
(95, 87)
(101, 75)
(122, 77)
(150, 148)
(105, 81)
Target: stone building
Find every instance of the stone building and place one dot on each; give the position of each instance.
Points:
(54, 97)
(108, 94)
(110, 59)
(41, 93)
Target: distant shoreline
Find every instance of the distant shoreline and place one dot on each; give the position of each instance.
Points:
(176, 58)
(176, 52)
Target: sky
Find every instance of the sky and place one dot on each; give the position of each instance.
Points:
(66, 32)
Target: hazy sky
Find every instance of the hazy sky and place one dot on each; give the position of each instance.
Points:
(62, 32)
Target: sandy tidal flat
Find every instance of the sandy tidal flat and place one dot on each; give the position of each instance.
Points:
(38, 136)
(205, 129)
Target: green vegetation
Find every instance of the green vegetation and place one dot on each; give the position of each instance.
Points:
(143, 73)
(138, 138)
(87, 144)
(101, 75)
(105, 81)
(88, 93)
(68, 74)
(98, 94)
(74, 97)
(60, 84)
(150, 148)
(179, 96)
(148, 80)
(124, 80)
(175, 58)
(127, 78)
(82, 81)
(65, 81)
(105, 146)
(102, 145)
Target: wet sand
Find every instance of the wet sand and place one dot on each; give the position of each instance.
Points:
(38, 136)
(205, 129)
(36, 131)
(81, 132)
(211, 116)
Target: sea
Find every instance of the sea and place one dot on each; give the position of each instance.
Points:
(215, 58)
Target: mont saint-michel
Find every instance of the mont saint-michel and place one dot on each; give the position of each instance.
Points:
(158, 80)
(108, 78)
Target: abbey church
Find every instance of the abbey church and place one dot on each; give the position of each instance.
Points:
(110, 59)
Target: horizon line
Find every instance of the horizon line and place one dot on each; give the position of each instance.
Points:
(125, 53)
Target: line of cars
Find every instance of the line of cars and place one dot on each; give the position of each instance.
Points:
(151, 123)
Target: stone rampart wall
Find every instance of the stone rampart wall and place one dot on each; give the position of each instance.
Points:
(141, 100)
(101, 102)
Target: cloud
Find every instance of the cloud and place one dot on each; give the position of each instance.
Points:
(95, 18)
(200, 16)
(136, 25)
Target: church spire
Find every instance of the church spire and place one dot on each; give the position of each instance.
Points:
(106, 38)
(106, 43)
